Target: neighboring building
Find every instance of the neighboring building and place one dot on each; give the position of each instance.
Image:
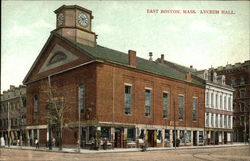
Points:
(13, 114)
(218, 107)
(238, 76)
(129, 100)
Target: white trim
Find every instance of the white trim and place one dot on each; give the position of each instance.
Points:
(128, 84)
(148, 88)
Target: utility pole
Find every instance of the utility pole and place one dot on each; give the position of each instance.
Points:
(79, 129)
(9, 124)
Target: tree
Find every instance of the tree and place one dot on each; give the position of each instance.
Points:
(57, 109)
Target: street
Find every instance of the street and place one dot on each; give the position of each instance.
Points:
(239, 153)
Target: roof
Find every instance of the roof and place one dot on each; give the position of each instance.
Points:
(178, 66)
(117, 57)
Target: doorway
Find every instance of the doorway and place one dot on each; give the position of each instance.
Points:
(151, 140)
(225, 137)
(118, 138)
(194, 138)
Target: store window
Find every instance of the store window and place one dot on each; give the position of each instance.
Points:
(182, 136)
(131, 135)
(159, 136)
(188, 136)
(105, 132)
(167, 135)
(200, 136)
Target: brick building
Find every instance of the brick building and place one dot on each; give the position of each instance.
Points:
(13, 114)
(238, 76)
(115, 95)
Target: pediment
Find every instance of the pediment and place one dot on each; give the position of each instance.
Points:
(57, 57)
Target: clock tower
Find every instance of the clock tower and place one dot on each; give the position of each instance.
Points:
(75, 23)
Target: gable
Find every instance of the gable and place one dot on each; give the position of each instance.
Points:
(57, 57)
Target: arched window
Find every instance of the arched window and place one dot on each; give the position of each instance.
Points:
(36, 107)
(59, 56)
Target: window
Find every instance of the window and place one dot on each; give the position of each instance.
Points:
(188, 136)
(141, 136)
(167, 135)
(221, 123)
(229, 122)
(225, 102)
(181, 108)
(221, 102)
(159, 136)
(207, 119)
(36, 107)
(229, 103)
(233, 82)
(182, 136)
(216, 101)
(105, 133)
(81, 98)
(165, 105)
(242, 106)
(225, 121)
(212, 120)
(242, 93)
(212, 100)
(147, 102)
(59, 56)
(242, 120)
(127, 99)
(242, 80)
(131, 135)
(194, 109)
(207, 98)
(200, 136)
(216, 120)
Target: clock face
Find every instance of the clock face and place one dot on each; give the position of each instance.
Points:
(60, 19)
(83, 19)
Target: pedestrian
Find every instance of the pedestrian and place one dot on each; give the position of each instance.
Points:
(105, 143)
(37, 143)
(18, 142)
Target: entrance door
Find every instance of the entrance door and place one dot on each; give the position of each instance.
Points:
(216, 137)
(194, 138)
(151, 141)
(225, 137)
(118, 139)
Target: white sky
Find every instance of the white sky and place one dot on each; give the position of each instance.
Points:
(197, 39)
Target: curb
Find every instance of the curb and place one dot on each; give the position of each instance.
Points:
(122, 151)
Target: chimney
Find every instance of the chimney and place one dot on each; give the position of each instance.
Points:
(162, 58)
(191, 66)
(188, 77)
(132, 58)
(150, 56)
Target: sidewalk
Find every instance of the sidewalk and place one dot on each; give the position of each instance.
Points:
(75, 150)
